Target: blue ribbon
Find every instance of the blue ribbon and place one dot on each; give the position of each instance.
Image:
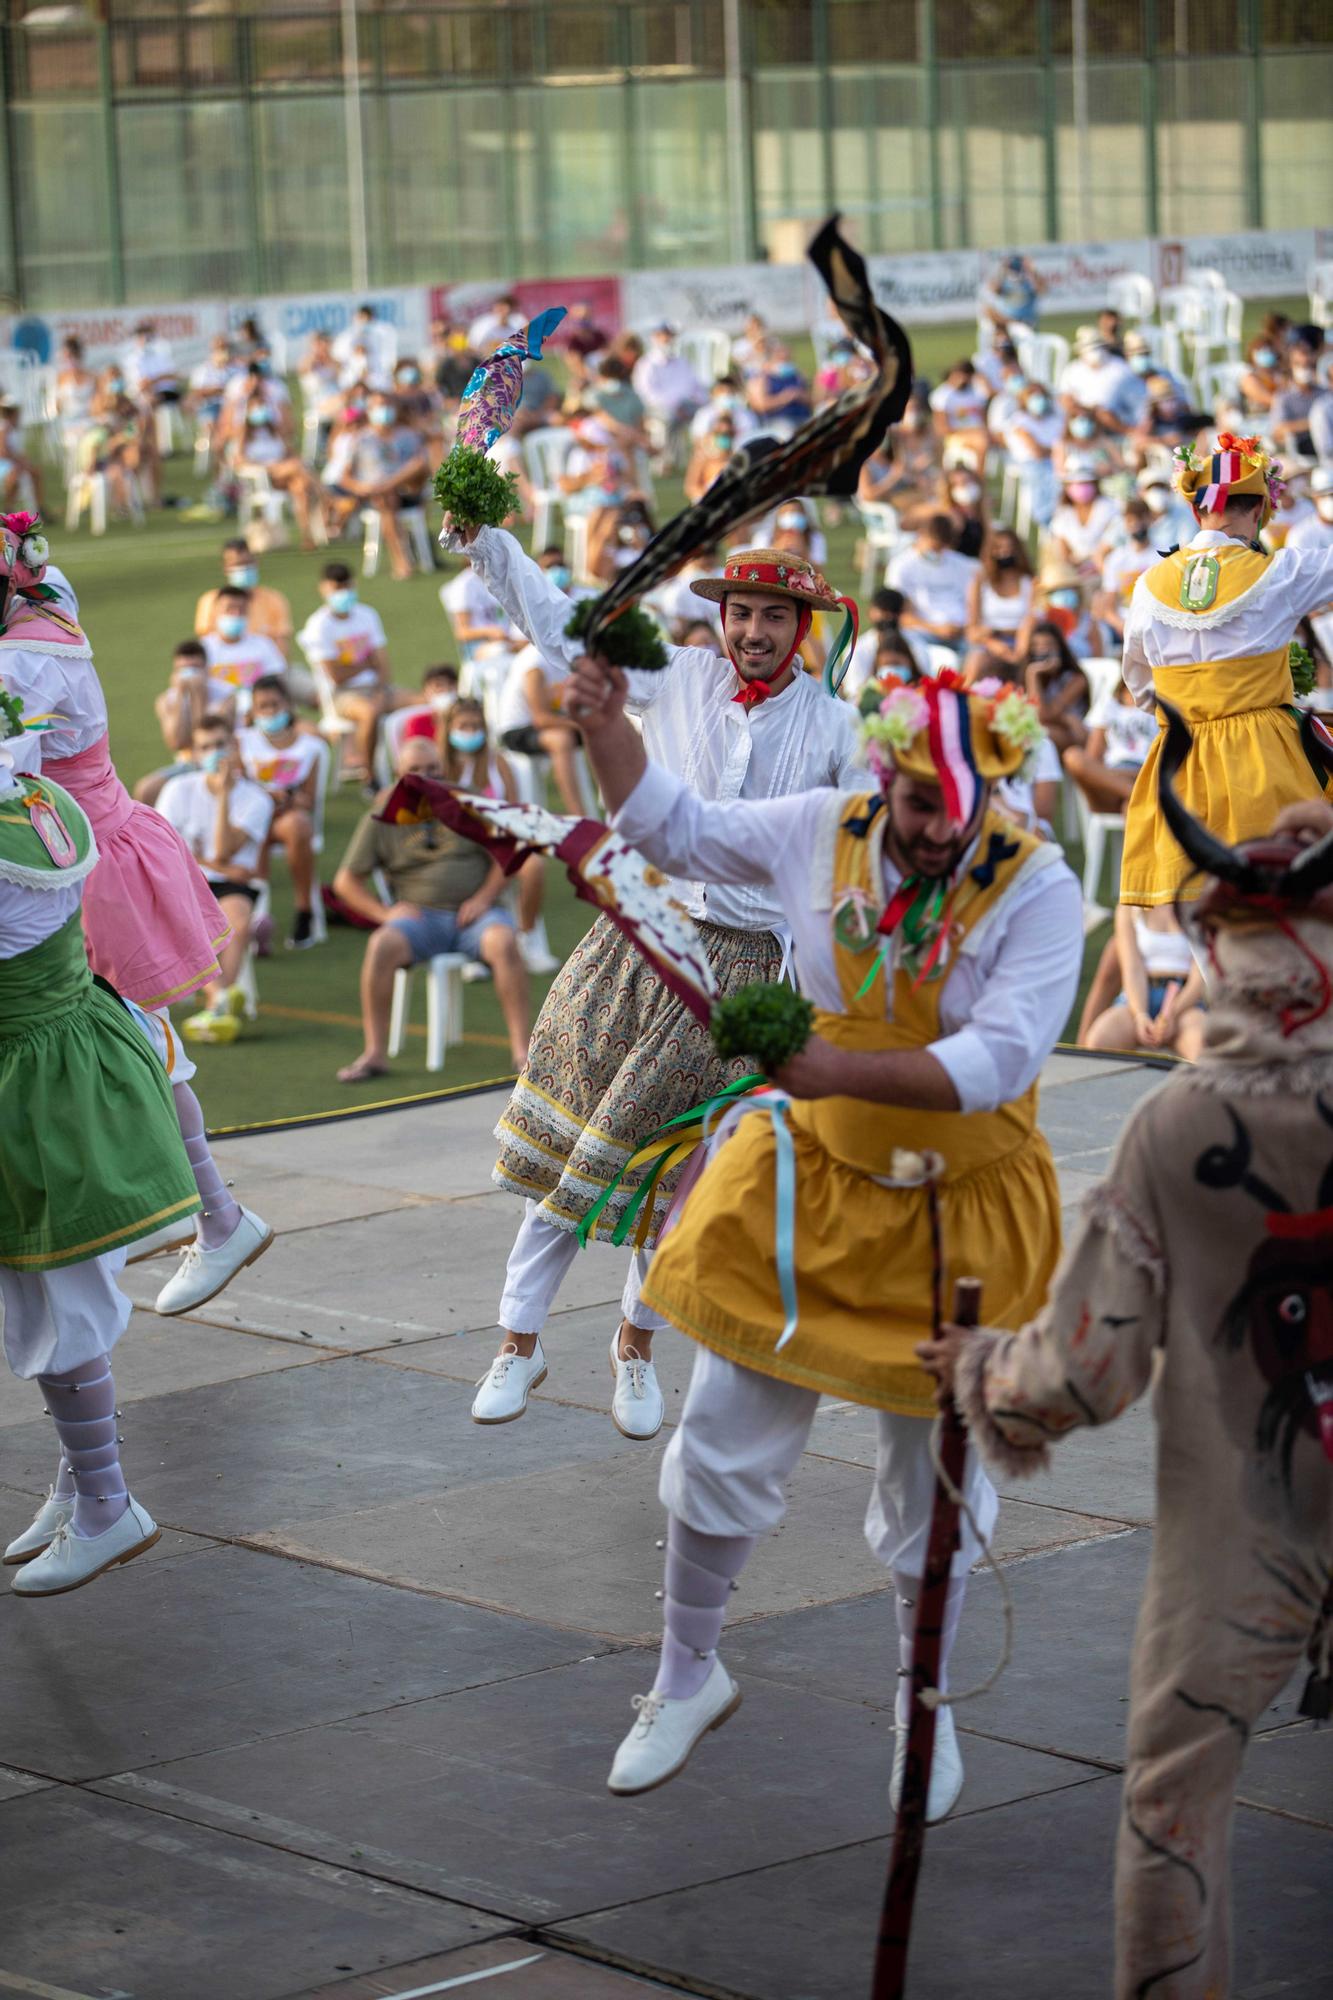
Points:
(785, 1244)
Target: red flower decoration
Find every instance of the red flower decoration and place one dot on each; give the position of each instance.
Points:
(20, 524)
(1228, 441)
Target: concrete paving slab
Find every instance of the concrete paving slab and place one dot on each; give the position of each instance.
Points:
(1291, 1770)
(577, 1346)
(1075, 1120)
(1069, 1066)
(258, 1646)
(409, 1274)
(1013, 1904)
(442, 1149)
(1108, 1472)
(17, 1784)
(238, 1458)
(156, 1357)
(513, 1968)
(102, 1897)
(309, 1197)
(501, 1802)
(17, 1507)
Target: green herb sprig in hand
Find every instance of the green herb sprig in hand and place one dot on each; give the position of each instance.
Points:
(630, 640)
(11, 714)
(474, 490)
(1302, 668)
(767, 1024)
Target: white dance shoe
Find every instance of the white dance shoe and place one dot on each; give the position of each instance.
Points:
(503, 1391)
(946, 1768)
(46, 1523)
(72, 1560)
(202, 1273)
(171, 1236)
(534, 949)
(666, 1731)
(637, 1409)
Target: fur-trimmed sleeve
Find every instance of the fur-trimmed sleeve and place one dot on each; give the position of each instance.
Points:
(1088, 1354)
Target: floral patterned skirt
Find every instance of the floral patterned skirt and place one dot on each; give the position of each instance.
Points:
(614, 1054)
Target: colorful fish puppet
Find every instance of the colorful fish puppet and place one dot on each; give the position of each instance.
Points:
(495, 386)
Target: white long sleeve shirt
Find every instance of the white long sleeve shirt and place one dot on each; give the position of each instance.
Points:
(793, 742)
(1296, 582)
(1007, 996)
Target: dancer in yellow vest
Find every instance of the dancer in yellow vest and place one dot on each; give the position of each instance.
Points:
(941, 948)
(1209, 628)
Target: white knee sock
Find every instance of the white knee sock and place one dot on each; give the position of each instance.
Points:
(83, 1409)
(700, 1571)
(906, 1596)
(220, 1214)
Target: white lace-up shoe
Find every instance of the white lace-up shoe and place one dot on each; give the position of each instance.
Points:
(636, 1407)
(50, 1517)
(171, 1236)
(946, 1768)
(503, 1391)
(202, 1274)
(73, 1560)
(535, 950)
(666, 1731)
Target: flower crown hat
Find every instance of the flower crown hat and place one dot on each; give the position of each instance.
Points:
(953, 736)
(1235, 466)
(778, 573)
(24, 550)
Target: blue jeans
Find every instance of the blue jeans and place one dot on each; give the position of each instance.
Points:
(435, 931)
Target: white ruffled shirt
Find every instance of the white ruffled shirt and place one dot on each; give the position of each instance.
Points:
(793, 742)
(1009, 993)
(1296, 581)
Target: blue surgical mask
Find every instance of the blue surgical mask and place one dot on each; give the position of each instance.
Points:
(115, 383)
(560, 576)
(245, 577)
(212, 760)
(381, 417)
(342, 601)
(1065, 600)
(258, 413)
(231, 626)
(469, 741)
(409, 375)
(1039, 405)
(1141, 363)
(1265, 357)
(1081, 427)
(273, 725)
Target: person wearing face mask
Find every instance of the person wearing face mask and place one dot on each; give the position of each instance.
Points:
(237, 656)
(1084, 524)
(190, 694)
(1057, 684)
(121, 442)
(935, 581)
(263, 445)
(344, 641)
(963, 497)
(1122, 567)
(710, 455)
(901, 472)
(1263, 374)
(289, 763)
(1316, 530)
(528, 720)
(472, 762)
(268, 615)
(958, 410)
(726, 399)
(997, 605)
(1172, 521)
(1289, 413)
(795, 526)
(224, 818)
(1060, 598)
(1100, 383)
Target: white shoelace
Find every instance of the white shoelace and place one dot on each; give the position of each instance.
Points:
(649, 1707)
(191, 1258)
(498, 1371)
(638, 1372)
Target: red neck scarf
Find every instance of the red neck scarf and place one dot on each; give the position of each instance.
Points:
(753, 692)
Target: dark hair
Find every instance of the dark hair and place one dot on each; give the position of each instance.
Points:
(335, 572)
(189, 649)
(941, 526)
(553, 549)
(74, 345)
(237, 542)
(1068, 664)
(233, 590)
(443, 670)
(271, 684)
(889, 601)
(1023, 565)
(214, 721)
(453, 759)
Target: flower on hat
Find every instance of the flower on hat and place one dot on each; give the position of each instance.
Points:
(1015, 720)
(20, 524)
(901, 717)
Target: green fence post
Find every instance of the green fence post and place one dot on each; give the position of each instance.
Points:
(926, 37)
(1151, 183)
(254, 217)
(1050, 151)
(9, 227)
(824, 97)
(115, 239)
(1252, 36)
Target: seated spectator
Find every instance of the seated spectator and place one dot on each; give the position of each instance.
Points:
(151, 374)
(268, 613)
(778, 393)
(616, 401)
(1035, 428)
(1168, 417)
(445, 893)
(963, 498)
(845, 369)
(264, 446)
(479, 625)
(1316, 530)
(935, 580)
(998, 599)
(1110, 330)
(1033, 803)
(1060, 597)
(793, 529)
(894, 665)
(1263, 374)
(627, 532)
(1161, 1005)
(1173, 522)
(1120, 736)
(903, 472)
(881, 627)
(318, 376)
(1084, 443)
(376, 462)
(528, 720)
(202, 401)
(1002, 372)
(16, 467)
(471, 763)
(958, 408)
(1057, 683)
(439, 686)
(501, 320)
(344, 640)
(249, 339)
(224, 819)
(1289, 413)
(667, 386)
(120, 442)
(76, 385)
(369, 340)
(420, 405)
(249, 386)
(449, 361)
(711, 453)
(1101, 383)
(188, 697)
(750, 347)
(583, 339)
(286, 759)
(726, 399)
(1085, 522)
(237, 656)
(1011, 294)
(1122, 566)
(701, 635)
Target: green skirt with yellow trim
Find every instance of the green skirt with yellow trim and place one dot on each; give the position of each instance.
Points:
(91, 1155)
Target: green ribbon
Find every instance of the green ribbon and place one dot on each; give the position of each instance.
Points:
(916, 914)
(647, 1187)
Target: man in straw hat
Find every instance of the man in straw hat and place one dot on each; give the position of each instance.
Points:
(613, 1054)
(1205, 1263)
(1209, 629)
(941, 948)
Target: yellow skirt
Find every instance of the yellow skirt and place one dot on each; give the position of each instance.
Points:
(863, 1263)
(1241, 772)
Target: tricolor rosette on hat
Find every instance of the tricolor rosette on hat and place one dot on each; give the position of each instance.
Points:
(953, 736)
(1236, 465)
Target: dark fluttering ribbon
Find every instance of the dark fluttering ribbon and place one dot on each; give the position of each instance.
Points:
(824, 456)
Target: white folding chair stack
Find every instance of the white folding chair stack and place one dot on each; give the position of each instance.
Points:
(444, 1005)
(1319, 283)
(1043, 357)
(1132, 295)
(708, 351)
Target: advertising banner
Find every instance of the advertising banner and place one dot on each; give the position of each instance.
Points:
(600, 295)
(723, 297)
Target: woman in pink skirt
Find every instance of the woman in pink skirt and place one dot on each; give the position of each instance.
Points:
(152, 924)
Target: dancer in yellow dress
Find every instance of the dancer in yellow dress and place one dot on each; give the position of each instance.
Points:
(941, 947)
(1209, 628)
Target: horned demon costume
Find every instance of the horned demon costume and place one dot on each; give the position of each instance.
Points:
(1207, 1253)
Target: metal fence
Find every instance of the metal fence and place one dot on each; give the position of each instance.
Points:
(172, 149)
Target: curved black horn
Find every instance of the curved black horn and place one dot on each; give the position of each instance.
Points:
(1209, 854)
(1311, 871)
(1229, 1166)
(1324, 1198)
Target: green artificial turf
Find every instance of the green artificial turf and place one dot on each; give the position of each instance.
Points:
(137, 590)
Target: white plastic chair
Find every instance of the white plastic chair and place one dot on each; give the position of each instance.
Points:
(1319, 282)
(444, 1005)
(87, 492)
(939, 658)
(544, 455)
(1043, 357)
(708, 351)
(334, 728)
(1204, 278)
(882, 537)
(1132, 295)
(245, 978)
(1218, 382)
(413, 520)
(1099, 829)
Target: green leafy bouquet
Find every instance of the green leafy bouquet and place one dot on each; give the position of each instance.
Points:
(474, 490)
(768, 1024)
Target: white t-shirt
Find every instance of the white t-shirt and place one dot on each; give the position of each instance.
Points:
(1084, 538)
(1313, 532)
(936, 587)
(466, 596)
(1130, 731)
(239, 663)
(344, 642)
(275, 768)
(963, 409)
(1030, 436)
(513, 711)
(188, 804)
(1124, 566)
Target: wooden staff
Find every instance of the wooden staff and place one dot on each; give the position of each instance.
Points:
(895, 1920)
